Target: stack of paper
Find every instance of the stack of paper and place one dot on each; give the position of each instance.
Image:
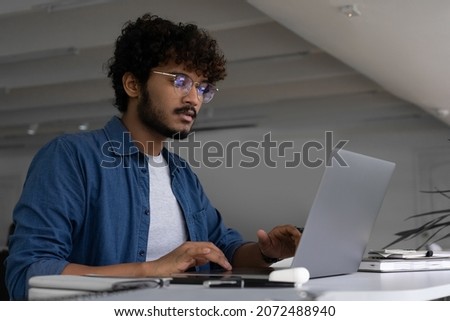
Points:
(398, 254)
(397, 260)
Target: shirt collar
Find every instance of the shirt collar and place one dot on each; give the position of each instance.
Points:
(119, 138)
(122, 144)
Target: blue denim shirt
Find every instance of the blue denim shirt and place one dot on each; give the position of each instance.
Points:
(86, 200)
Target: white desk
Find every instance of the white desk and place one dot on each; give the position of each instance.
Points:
(367, 286)
(428, 285)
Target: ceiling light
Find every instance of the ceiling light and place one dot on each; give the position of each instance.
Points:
(350, 10)
(442, 112)
(32, 129)
(83, 126)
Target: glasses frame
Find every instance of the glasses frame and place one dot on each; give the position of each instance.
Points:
(196, 84)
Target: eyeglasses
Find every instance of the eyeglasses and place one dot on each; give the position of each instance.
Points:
(183, 84)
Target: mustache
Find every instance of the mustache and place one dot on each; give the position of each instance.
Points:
(188, 110)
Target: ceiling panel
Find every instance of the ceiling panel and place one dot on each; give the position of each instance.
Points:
(401, 44)
(53, 52)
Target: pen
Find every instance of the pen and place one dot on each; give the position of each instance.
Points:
(247, 283)
(224, 284)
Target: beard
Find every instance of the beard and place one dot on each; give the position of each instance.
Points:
(156, 120)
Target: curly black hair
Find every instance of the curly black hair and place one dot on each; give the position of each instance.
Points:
(151, 41)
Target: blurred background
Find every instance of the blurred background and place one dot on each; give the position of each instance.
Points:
(372, 73)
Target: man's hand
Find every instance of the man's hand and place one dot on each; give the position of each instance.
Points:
(188, 255)
(179, 260)
(281, 242)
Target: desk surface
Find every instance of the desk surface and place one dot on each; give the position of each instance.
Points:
(426, 285)
(429, 285)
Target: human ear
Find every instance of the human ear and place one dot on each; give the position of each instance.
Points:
(130, 85)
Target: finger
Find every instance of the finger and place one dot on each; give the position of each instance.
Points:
(184, 257)
(217, 256)
(285, 232)
(199, 250)
(265, 243)
(281, 241)
(295, 234)
(208, 252)
(263, 238)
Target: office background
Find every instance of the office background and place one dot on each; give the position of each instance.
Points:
(374, 73)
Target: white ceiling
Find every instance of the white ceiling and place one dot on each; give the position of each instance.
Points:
(403, 45)
(52, 53)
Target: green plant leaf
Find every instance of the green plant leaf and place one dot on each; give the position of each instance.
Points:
(429, 213)
(433, 226)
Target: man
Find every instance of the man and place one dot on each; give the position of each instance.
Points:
(115, 201)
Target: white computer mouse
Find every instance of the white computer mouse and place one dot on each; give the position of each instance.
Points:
(297, 275)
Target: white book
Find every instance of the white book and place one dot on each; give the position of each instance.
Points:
(403, 265)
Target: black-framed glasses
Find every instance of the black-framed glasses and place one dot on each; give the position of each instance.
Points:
(183, 85)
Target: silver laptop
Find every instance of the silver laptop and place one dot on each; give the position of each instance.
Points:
(340, 221)
(343, 214)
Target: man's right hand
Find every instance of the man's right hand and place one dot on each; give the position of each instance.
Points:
(185, 256)
(188, 255)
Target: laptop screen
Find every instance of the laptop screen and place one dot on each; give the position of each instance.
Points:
(343, 214)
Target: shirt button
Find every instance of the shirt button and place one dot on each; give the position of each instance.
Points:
(147, 212)
(141, 253)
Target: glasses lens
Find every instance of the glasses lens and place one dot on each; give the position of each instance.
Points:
(183, 83)
(206, 91)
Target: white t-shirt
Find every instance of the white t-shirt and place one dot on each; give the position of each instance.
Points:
(167, 226)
